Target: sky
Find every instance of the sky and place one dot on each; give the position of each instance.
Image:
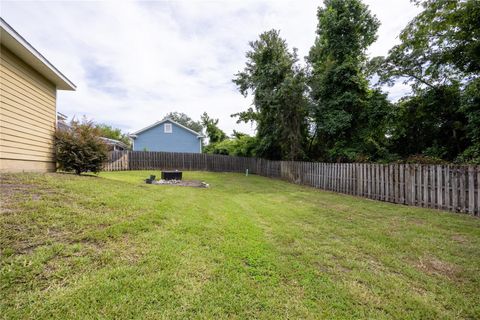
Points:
(134, 62)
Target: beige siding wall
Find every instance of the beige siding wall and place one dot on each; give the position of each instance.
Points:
(27, 117)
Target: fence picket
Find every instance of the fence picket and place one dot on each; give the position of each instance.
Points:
(439, 187)
(462, 190)
(471, 190)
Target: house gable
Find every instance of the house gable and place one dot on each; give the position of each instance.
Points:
(169, 136)
(158, 123)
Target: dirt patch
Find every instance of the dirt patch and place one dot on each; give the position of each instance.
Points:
(182, 183)
(7, 189)
(10, 190)
(13, 190)
(459, 238)
(433, 265)
(417, 221)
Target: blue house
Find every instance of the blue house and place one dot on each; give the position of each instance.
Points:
(168, 136)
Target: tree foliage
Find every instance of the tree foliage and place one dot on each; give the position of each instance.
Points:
(241, 146)
(185, 120)
(440, 46)
(349, 117)
(330, 111)
(278, 87)
(430, 123)
(439, 56)
(214, 133)
(79, 148)
(110, 132)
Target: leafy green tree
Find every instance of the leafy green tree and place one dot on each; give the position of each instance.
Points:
(439, 56)
(79, 148)
(439, 47)
(350, 118)
(423, 126)
(471, 108)
(214, 133)
(110, 132)
(185, 120)
(241, 145)
(278, 87)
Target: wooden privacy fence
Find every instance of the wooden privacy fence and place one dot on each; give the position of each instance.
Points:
(447, 187)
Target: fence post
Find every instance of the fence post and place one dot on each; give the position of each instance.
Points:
(471, 190)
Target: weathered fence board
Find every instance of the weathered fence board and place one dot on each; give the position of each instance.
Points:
(448, 187)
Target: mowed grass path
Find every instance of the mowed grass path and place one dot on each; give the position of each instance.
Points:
(111, 247)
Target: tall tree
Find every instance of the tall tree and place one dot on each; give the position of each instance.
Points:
(349, 116)
(440, 46)
(439, 56)
(214, 133)
(185, 120)
(429, 123)
(278, 87)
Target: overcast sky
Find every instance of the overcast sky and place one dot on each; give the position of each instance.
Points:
(133, 62)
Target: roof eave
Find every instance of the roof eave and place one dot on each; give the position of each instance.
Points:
(24, 50)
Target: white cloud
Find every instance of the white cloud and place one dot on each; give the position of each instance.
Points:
(133, 62)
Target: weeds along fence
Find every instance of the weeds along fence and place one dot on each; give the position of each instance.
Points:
(446, 187)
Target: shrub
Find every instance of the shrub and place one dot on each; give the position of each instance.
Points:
(79, 148)
(424, 159)
(470, 156)
(243, 146)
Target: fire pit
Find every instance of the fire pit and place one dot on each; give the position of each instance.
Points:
(174, 178)
(172, 175)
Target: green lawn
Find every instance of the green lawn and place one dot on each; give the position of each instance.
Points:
(111, 247)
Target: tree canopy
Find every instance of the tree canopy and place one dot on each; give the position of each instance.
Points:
(349, 117)
(440, 46)
(214, 133)
(110, 132)
(332, 111)
(185, 120)
(439, 56)
(278, 87)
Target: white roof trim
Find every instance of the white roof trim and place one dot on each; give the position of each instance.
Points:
(134, 135)
(113, 141)
(25, 51)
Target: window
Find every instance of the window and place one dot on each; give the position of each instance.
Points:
(167, 128)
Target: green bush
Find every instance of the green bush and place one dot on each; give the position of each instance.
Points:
(470, 156)
(79, 148)
(242, 146)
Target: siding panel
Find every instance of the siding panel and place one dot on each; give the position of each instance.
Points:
(26, 72)
(15, 78)
(25, 94)
(19, 134)
(155, 139)
(28, 118)
(23, 106)
(40, 131)
(34, 147)
(27, 115)
(24, 151)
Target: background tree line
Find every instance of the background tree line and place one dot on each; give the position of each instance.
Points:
(332, 110)
(332, 107)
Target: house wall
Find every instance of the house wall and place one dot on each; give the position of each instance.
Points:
(27, 117)
(180, 140)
